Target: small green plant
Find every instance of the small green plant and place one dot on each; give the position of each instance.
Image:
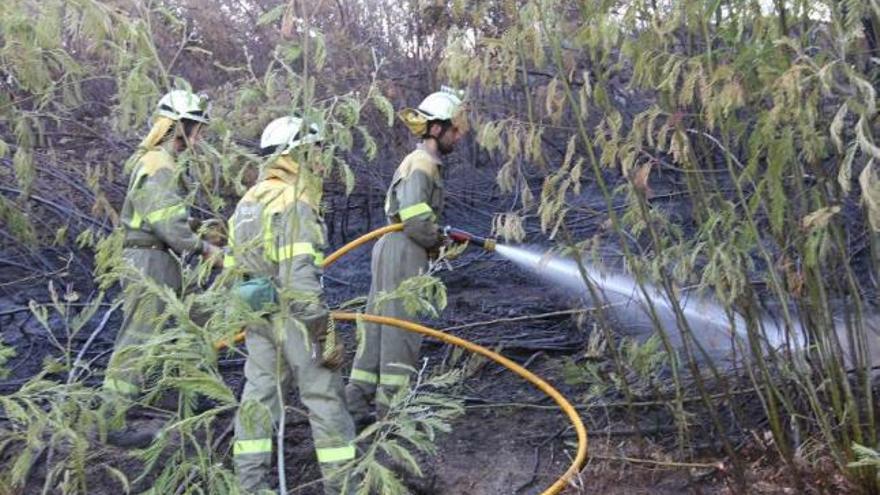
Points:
(53, 417)
(416, 415)
(6, 353)
(643, 367)
(866, 458)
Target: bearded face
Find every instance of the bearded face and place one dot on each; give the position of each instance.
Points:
(446, 137)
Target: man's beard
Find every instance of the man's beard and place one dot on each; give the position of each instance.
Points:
(444, 148)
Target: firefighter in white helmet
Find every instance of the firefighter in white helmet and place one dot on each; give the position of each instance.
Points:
(154, 218)
(415, 197)
(277, 240)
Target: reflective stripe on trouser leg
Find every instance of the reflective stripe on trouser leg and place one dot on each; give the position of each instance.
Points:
(390, 384)
(253, 446)
(141, 312)
(321, 391)
(333, 455)
(394, 380)
(399, 355)
(335, 464)
(361, 389)
(259, 411)
(253, 463)
(366, 377)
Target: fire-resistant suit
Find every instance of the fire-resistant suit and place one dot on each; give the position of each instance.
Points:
(415, 198)
(277, 233)
(155, 219)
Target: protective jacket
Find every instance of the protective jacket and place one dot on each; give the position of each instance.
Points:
(155, 222)
(277, 234)
(385, 353)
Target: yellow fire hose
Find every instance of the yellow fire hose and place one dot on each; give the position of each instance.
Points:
(567, 408)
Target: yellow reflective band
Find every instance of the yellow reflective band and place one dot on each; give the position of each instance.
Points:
(288, 251)
(258, 446)
(228, 261)
(231, 229)
(364, 376)
(295, 249)
(168, 213)
(336, 454)
(120, 386)
(136, 220)
(268, 237)
(417, 209)
(393, 379)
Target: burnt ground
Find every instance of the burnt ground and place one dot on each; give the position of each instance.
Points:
(512, 439)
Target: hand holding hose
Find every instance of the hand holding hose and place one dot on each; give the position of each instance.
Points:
(327, 349)
(214, 254)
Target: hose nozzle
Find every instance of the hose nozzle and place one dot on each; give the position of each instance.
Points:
(459, 235)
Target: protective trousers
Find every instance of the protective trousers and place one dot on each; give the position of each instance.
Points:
(279, 355)
(386, 353)
(141, 311)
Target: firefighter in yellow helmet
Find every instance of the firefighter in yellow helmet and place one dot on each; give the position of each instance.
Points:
(155, 218)
(415, 198)
(277, 237)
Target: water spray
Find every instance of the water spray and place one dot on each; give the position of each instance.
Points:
(640, 307)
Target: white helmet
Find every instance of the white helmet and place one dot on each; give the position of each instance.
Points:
(442, 105)
(182, 104)
(286, 133)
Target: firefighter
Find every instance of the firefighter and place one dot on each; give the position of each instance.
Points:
(386, 354)
(157, 233)
(277, 238)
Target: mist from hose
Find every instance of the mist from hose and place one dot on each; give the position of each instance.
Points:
(716, 330)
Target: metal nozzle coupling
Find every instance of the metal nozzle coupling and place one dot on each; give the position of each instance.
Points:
(459, 235)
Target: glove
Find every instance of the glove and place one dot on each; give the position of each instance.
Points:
(423, 232)
(327, 349)
(332, 350)
(212, 230)
(212, 253)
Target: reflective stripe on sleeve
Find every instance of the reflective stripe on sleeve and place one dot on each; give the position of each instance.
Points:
(167, 213)
(414, 210)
